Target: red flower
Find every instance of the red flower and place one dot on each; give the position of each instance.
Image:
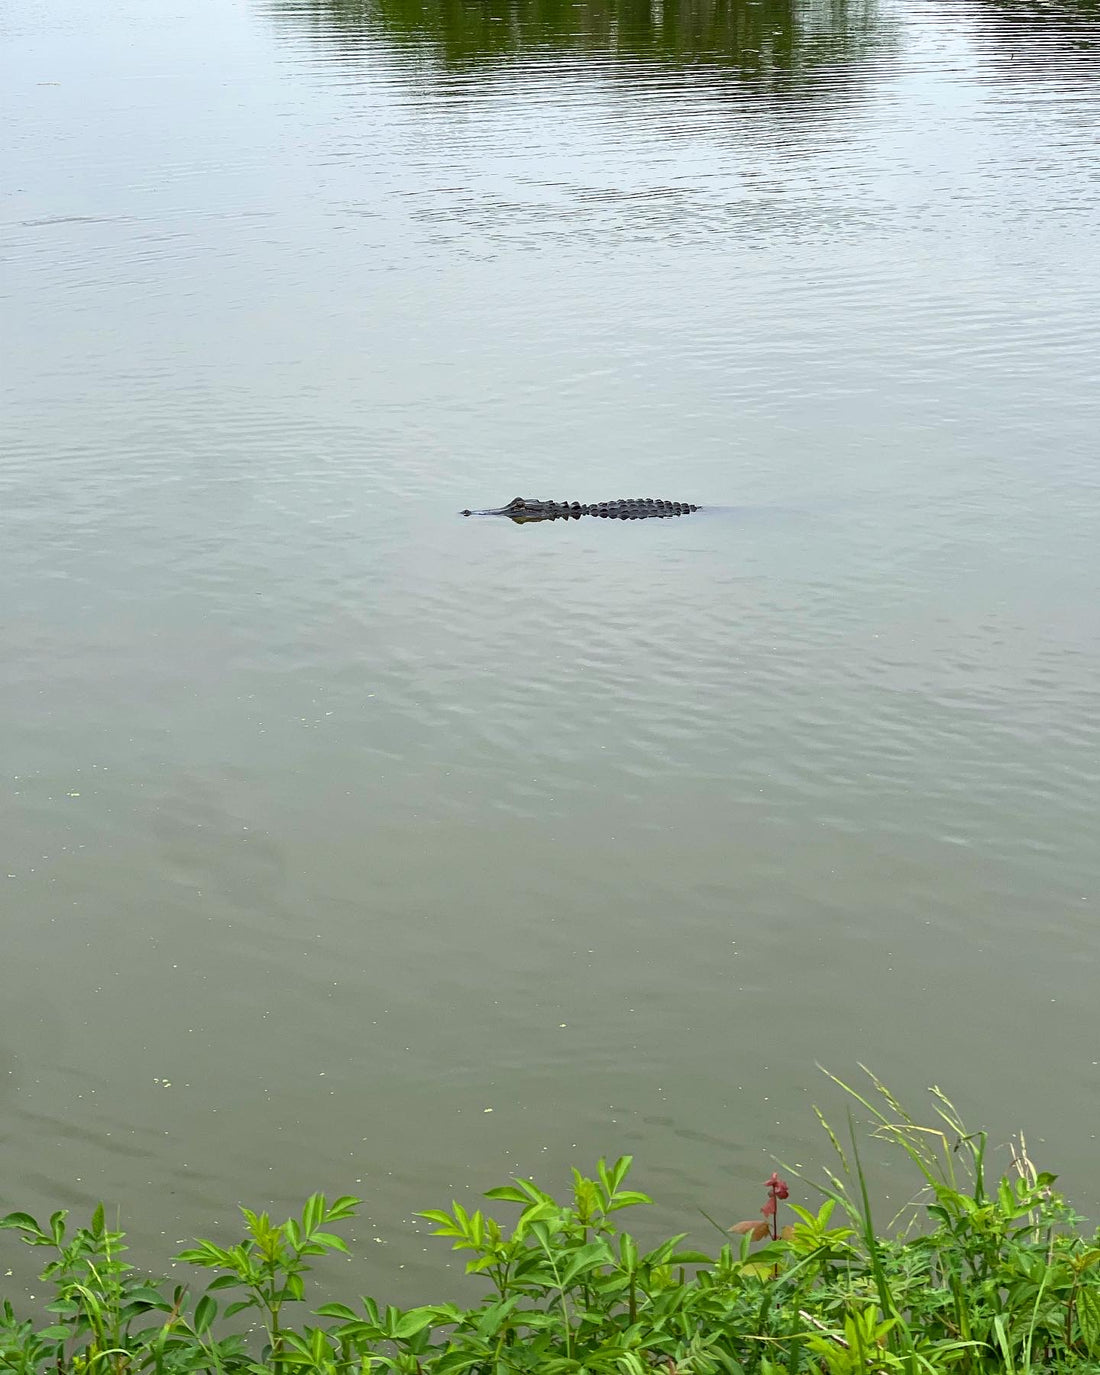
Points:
(769, 1208)
(777, 1188)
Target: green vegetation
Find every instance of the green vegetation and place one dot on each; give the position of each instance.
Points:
(976, 1275)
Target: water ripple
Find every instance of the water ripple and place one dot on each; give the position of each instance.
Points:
(333, 818)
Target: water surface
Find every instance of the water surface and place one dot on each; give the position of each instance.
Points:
(334, 821)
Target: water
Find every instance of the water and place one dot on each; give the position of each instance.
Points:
(332, 820)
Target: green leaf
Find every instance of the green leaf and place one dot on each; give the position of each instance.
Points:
(297, 1342)
(629, 1198)
(456, 1362)
(147, 1293)
(612, 1178)
(292, 1290)
(23, 1221)
(225, 1282)
(585, 1260)
(206, 1310)
(412, 1322)
(1088, 1317)
(63, 1306)
(493, 1319)
(445, 1313)
(313, 1212)
(206, 1253)
(508, 1192)
(331, 1240)
(239, 1306)
(337, 1310)
(443, 1221)
(543, 1211)
(1002, 1341)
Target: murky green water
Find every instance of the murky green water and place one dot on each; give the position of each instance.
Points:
(333, 821)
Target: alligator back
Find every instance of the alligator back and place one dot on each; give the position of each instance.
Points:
(523, 509)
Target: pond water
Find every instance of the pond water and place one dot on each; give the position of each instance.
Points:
(351, 844)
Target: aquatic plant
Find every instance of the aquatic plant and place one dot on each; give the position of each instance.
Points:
(974, 1276)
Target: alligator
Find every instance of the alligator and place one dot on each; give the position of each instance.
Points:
(523, 509)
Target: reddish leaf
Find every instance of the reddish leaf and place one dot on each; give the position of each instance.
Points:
(786, 1232)
(757, 1230)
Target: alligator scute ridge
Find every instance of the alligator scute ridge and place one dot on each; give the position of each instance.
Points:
(523, 509)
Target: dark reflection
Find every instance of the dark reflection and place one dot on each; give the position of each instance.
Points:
(782, 43)
(1068, 17)
(1027, 40)
(1035, 36)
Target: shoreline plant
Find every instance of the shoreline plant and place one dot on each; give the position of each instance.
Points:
(976, 1275)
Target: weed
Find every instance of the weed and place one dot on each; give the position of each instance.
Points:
(974, 1277)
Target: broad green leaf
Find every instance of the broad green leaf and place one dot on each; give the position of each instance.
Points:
(292, 1289)
(1088, 1318)
(412, 1322)
(63, 1306)
(225, 1282)
(206, 1310)
(297, 1342)
(313, 1212)
(148, 1295)
(23, 1221)
(494, 1317)
(544, 1211)
(445, 1313)
(455, 1362)
(629, 1198)
(331, 1240)
(337, 1310)
(444, 1221)
(586, 1259)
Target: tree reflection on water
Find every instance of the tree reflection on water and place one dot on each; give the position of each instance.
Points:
(780, 43)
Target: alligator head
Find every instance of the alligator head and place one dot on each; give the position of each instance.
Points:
(526, 508)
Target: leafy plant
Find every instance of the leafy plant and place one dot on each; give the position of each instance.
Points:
(978, 1275)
